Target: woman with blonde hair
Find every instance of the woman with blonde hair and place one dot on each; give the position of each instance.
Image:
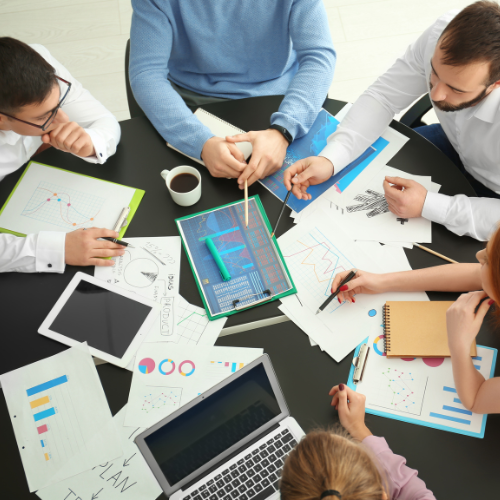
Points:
(463, 319)
(355, 466)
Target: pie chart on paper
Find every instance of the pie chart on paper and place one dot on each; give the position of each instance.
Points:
(147, 365)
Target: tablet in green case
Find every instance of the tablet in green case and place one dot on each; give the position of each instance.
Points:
(252, 258)
(49, 198)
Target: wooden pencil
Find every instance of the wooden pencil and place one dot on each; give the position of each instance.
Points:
(435, 253)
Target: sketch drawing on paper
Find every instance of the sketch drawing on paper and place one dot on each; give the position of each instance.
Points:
(191, 323)
(400, 391)
(141, 272)
(62, 206)
(161, 397)
(372, 201)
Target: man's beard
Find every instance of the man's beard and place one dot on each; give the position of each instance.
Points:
(444, 106)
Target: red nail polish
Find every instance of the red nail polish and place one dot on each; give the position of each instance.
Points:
(341, 387)
(353, 300)
(490, 302)
(340, 302)
(344, 288)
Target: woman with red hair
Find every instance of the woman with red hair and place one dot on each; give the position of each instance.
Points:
(463, 318)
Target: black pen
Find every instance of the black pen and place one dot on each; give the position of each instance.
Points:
(281, 213)
(118, 242)
(348, 278)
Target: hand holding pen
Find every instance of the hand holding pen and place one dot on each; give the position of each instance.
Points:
(362, 283)
(351, 274)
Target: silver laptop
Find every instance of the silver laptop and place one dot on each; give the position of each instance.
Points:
(230, 442)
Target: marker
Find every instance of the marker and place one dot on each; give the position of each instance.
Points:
(118, 242)
(218, 260)
(346, 280)
(122, 219)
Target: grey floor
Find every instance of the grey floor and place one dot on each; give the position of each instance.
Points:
(89, 38)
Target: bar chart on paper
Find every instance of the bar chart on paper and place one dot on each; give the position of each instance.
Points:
(53, 412)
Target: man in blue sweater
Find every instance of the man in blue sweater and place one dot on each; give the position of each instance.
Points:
(230, 49)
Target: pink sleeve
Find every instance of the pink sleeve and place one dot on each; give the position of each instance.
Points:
(403, 481)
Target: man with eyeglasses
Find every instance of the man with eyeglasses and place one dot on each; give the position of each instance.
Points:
(42, 105)
(457, 61)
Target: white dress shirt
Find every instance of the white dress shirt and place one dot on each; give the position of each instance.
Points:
(45, 251)
(473, 132)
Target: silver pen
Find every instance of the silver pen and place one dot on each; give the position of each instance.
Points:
(121, 219)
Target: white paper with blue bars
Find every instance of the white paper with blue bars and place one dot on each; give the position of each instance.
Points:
(419, 390)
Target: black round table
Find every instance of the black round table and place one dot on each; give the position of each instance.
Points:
(453, 466)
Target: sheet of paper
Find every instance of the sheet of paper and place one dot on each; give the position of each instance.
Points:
(315, 253)
(166, 376)
(367, 216)
(150, 269)
(50, 199)
(61, 417)
(127, 477)
(419, 390)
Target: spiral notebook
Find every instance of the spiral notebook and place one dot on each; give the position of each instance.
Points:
(219, 128)
(417, 329)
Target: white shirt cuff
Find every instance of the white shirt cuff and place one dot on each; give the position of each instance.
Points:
(337, 154)
(436, 207)
(50, 256)
(100, 147)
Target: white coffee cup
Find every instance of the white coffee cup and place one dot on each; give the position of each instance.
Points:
(183, 199)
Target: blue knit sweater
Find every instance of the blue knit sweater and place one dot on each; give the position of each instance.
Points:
(229, 48)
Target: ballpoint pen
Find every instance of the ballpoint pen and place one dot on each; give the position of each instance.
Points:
(346, 280)
(117, 241)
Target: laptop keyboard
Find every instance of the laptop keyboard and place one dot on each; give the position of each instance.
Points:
(253, 477)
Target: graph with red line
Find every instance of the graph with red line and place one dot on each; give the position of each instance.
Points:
(62, 206)
(314, 260)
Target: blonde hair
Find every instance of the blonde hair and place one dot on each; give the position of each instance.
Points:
(331, 460)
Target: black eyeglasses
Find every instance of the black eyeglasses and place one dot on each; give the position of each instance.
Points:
(53, 113)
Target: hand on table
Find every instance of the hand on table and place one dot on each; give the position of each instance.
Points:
(364, 282)
(463, 323)
(406, 198)
(310, 171)
(82, 248)
(222, 158)
(268, 153)
(69, 137)
(351, 408)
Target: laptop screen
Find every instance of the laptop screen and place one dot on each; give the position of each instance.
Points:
(209, 428)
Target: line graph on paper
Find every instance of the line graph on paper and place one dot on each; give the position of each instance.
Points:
(158, 398)
(314, 260)
(191, 322)
(399, 390)
(62, 206)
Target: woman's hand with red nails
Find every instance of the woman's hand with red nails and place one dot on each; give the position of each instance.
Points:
(363, 282)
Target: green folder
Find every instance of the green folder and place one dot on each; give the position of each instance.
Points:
(244, 247)
(134, 202)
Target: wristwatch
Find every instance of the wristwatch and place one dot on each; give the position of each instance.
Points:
(284, 131)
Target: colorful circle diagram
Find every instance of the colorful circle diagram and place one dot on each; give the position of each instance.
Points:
(185, 374)
(166, 361)
(433, 362)
(146, 365)
(372, 313)
(379, 345)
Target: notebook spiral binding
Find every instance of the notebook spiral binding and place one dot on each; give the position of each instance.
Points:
(387, 328)
(221, 120)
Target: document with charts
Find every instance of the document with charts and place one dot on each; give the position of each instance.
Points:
(125, 478)
(419, 390)
(53, 199)
(167, 376)
(61, 417)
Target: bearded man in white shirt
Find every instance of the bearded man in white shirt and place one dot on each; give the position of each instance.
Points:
(457, 61)
(42, 105)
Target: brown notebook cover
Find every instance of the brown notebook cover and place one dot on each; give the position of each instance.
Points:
(417, 329)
